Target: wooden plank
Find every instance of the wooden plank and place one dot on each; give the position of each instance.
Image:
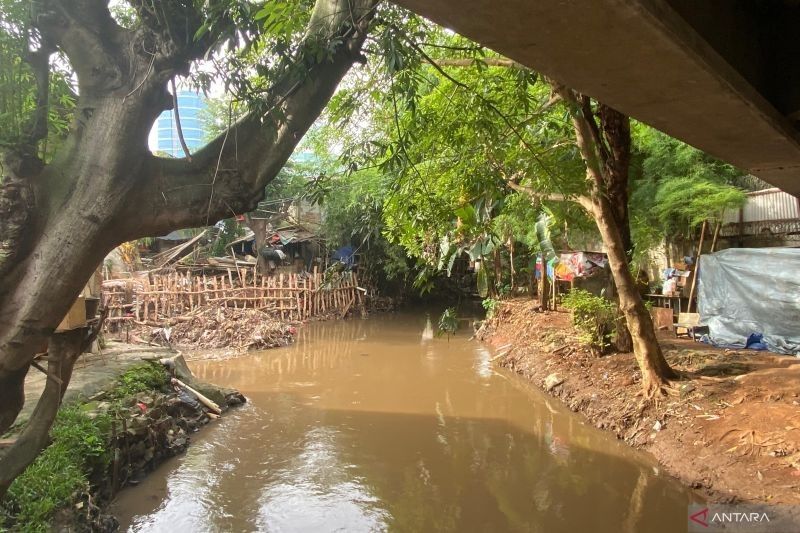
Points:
(155, 301)
(662, 318)
(145, 305)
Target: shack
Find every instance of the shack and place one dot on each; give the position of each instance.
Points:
(303, 249)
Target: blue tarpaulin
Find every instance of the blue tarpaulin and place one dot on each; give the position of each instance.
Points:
(747, 291)
(345, 255)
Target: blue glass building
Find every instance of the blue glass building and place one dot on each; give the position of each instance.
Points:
(190, 104)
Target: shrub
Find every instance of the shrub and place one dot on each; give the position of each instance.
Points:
(490, 305)
(595, 318)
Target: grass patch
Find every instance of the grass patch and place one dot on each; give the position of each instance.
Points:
(140, 378)
(79, 448)
(50, 483)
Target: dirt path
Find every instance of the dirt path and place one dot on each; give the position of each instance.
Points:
(730, 428)
(93, 373)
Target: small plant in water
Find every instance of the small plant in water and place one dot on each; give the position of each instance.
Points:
(448, 323)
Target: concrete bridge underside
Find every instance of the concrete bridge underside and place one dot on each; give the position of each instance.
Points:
(721, 75)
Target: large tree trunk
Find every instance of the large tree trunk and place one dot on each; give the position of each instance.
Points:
(654, 368)
(615, 130)
(58, 221)
(602, 157)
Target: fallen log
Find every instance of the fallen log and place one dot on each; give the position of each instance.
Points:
(203, 399)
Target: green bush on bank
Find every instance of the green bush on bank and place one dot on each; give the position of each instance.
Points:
(490, 305)
(80, 446)
(595, 318)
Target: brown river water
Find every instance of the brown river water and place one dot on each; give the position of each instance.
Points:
(378, 425)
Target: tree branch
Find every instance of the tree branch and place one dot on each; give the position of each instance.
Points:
(588, 115)
(583, 134)
(177, 118)
(39, 61)
(95, 44)
(63, 351)
(228, 175)
(536, 196)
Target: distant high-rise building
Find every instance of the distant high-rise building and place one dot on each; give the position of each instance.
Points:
(190, 104)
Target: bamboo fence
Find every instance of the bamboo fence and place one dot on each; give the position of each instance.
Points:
(293, 297)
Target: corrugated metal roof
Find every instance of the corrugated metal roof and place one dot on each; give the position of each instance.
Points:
(764, 206)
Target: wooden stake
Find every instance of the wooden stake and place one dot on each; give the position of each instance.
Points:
(263, 292)
(716, 234)
(696, 267)
(347, 308)
(280, 293)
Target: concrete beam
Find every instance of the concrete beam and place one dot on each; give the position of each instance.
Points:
(643, 58)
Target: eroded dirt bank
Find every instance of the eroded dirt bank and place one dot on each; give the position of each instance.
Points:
(730, 428)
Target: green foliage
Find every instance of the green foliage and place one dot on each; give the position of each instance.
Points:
(687, 202)
(18, 84)
(448, 322)
(230, 231)
(353, 204)
(594, 317)
(678, 187)
(447, 140)
(54, 478)
(490, 305)
(219, 114)
(140, 378)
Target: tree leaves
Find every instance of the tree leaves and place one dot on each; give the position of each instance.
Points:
(679, 186)
(687, 202)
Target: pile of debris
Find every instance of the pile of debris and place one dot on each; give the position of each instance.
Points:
(227, 327)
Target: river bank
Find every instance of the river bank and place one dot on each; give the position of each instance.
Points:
(730, 429)
(122, 419)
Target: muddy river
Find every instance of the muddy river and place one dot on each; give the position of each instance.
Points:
(378, 425)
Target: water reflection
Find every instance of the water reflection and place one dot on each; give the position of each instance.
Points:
(362, 427)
